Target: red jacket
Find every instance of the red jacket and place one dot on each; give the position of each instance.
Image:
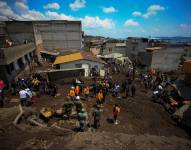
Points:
(116, 110)
(2, 84)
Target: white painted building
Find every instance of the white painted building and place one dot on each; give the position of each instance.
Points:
(79, 60)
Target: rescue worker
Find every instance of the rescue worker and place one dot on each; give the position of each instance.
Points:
(72, 93)
(97, 116)
(99, 97)
(87, 92)
(53, 90)
(82, 118)
(36, 84)
(2, 85)
(68, 104)
(29, 98)
(1, 99)
(116, 90)
(77, 90)
(78, 104)
(126, 89)
(116, 111)
(104, 91)
(133, 90)
(23, 97)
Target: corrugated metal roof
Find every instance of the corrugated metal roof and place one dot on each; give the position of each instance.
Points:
(75, 57)
(68, 58)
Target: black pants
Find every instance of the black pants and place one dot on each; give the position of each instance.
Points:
(115, 118)
(132, 93)
(1, 103)
(96, 123)
(23, 101)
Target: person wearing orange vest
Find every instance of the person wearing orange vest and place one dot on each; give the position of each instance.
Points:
(99, 97)
(86, 92)
(72, 93)
(77, 90)
(116, 111)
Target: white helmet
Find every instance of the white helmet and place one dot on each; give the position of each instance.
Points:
(77, 97)
(72, 87)
(83, 110)
(160, 87)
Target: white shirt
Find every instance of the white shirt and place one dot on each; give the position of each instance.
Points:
(23, 94)
(29, 92)
(155, 92)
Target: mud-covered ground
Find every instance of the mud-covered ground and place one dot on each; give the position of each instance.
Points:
(143, 125)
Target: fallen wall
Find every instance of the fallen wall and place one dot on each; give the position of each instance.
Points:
(64, 74)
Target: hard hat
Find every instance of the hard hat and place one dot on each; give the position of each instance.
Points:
(160, 87)
(77, 97)
(83, 110)
(72, 87)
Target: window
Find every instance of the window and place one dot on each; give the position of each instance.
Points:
(78, 65)
(8, 69)
(11, 67)
(20, 63)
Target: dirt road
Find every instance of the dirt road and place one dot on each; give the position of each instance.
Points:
(143, 125)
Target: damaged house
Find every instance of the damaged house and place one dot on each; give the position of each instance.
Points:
(76, 60)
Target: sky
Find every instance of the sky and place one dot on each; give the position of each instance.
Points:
(109, 18)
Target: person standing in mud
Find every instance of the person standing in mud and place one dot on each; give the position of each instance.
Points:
(87, 92)
(96, 116)
(82, 118)
(78, 104)
(1, 99)
(68, 104)
(133, 90)
(104, 89)
(126, 89)
(77, 90)
(71, 93)
(99, 97)
(2, 85)
(116, 111)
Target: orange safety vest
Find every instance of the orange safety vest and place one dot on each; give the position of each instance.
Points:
(86, 90)
(100, 96)
(71, 93)
(77, 90)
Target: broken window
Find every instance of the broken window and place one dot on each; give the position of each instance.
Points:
(11, 67)
(20, 63)
(27, 59)
(8, 69)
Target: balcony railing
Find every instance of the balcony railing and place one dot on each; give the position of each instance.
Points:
(8, 55)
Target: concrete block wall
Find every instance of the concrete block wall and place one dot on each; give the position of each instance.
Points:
(18, 31)
(144, 58)
(167, 59)
(64, 74)
(13, 53)
(60, 35)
